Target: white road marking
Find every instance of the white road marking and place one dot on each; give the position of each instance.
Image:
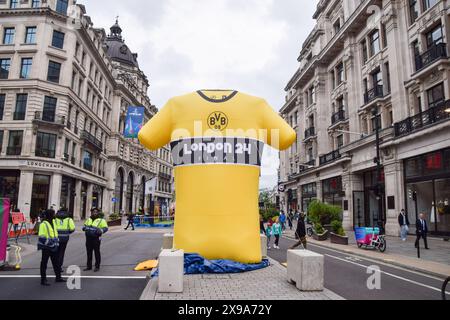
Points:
(385, 263)
(82, 277)
(389, 274)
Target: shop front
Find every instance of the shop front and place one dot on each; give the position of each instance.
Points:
(292, 200)
(427, 190)
(309, 194)
(68, 194)
(9, 185)
(40, 194)
(333, 192)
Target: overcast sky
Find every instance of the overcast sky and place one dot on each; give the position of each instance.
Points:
(185, 45)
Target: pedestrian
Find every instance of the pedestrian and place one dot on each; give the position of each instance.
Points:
(300, 232)
(65, 226)
(262, 229)
(277, 230)
(94, 228)
(282, 220)
(403, 221)
(130, 218)
(422, 230)
(290, 219)
(48, 243)
(269, 232)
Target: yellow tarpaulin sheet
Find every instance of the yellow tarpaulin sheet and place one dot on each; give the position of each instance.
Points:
(146, 265)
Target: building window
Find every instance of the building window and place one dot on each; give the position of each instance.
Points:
(15, 143)
(61, 6)
(13, 4)
(435, 37)
(49, 109)
(36, 3)
(1, 141)
(54, 70)
(5, 64)
(45, 145)
(376, 123)
(8, 35)
(87, 161)
(427, 4)
(340, 141)
(436, 95)
(312, 95)
(377, 78)
(25, 68)
(413, 10)
(388, 76)
(374, 42)
(58, 39)
(337, 26)
(2, 105)
(340, 73)
(30, 36)
(365, 54)
(21, 106)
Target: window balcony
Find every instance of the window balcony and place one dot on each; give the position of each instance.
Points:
(373, 94)
(45, 153)
(309, 133)
(338, 117)
(165, 176)
(14, 151)
(436, 52)
(49, 121)
(92, 141)
(422, 120)
(330, 157)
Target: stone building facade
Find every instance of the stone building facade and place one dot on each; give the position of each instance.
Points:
(64, 90)
(370, 63)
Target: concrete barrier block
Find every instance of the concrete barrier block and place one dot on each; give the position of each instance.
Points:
(306, 269)
(263, 246)
(171, 271)
(168, 241)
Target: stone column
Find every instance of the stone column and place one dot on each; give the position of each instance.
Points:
(89, 198)
(55, 191)
(347, 221)
(25, 191)
(77, 201)
(394, 188)
(106, 201)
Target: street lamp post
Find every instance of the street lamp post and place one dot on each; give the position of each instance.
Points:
(377, 160)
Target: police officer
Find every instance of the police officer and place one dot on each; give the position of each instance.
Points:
(48, 243)
(65, 226)
(94, 228)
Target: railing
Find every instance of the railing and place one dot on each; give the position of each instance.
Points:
(338, 116)
(86, 136)
(427, 118)
(49, 118)
(374, 93)
(45, 153)
(330, 157)
(310, 132)
(13, 151)
(165, 176)
(433, 54)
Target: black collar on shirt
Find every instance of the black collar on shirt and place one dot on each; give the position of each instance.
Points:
(204, 96)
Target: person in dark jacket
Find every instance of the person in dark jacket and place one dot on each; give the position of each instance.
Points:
(403, 221)
(130, 218)
(94, 228)
(65, 226)
(300, 232)
(422, 230)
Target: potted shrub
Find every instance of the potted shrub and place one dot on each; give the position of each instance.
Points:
(114, 220)
(320, 234)
(338, 235)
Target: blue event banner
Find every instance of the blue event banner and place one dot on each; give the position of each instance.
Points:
(134, 121)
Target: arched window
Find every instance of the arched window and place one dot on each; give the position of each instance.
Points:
(130, 187)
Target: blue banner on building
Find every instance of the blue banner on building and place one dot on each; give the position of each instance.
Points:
(134, 122)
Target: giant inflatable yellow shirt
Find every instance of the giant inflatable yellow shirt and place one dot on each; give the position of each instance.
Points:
(217, 140)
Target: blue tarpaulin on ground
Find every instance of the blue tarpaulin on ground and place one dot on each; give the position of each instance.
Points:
(196, 264)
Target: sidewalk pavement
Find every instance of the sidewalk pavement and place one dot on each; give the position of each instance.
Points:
(435, 262)
(266, 284)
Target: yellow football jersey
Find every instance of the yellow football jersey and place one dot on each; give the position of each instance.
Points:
(217, 139)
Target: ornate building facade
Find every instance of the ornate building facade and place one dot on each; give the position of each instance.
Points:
(64, 90)
(368, 65)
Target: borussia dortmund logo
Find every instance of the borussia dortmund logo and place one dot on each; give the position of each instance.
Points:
(218, 121)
